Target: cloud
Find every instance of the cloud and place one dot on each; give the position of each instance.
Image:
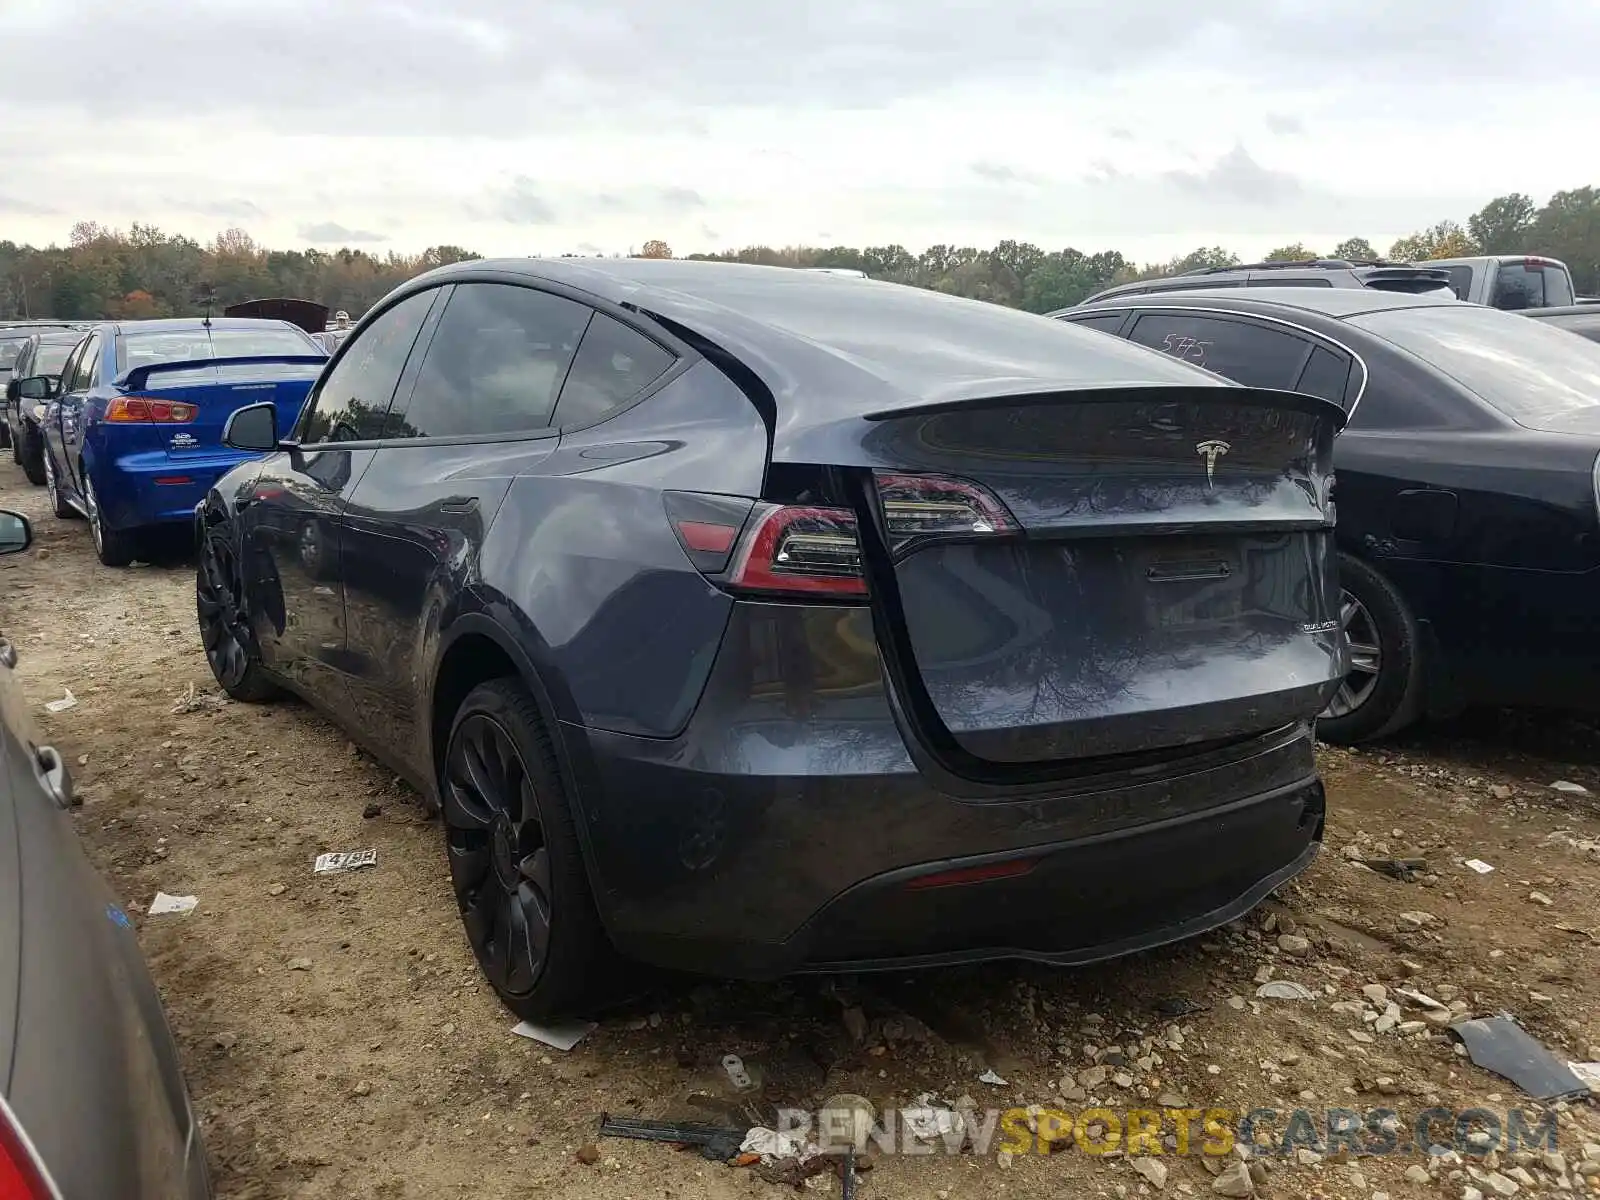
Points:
(991, 172)
(1118, 133)
(330, 231)
(235, 209)
(670, 201)
(18, 207)
(1285, 124)
(522, 204)
(1237, 177)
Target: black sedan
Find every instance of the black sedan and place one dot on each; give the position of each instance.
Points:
(1468, 485)
(92, 1101)
(754, 620)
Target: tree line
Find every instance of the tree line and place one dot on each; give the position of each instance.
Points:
(106, 273)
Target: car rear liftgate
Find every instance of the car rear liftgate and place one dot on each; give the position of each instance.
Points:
(1104, 573)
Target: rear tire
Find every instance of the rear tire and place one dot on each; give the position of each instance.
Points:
(115, 547)
(1376, 619)
(225, 633)
(515, 862)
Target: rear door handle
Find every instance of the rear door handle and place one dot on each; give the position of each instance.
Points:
(458, 504)
(51, 770)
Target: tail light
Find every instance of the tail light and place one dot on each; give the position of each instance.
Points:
(149, 409)
(916, 506)
(22, 1175)
(809, 550)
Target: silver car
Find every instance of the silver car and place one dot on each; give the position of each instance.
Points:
(95, 1106)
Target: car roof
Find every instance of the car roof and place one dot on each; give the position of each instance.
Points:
(837, 346)
(187, 324)
(1332, 302)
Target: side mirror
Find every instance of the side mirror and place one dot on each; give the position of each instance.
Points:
(253, 427)
(37, 387)
(16, 535)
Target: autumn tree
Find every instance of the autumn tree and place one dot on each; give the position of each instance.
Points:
(1445, 240)
(656, 248)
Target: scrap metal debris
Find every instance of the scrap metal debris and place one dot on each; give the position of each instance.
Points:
(55, 706)
(733, 1065)
(1500, 1045)
(1403, 869)
(1284, 989)
(718, 1143)
(192, 701)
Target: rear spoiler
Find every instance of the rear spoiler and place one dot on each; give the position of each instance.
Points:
(138, 378)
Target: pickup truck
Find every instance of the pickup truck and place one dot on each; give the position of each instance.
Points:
(1509, 281)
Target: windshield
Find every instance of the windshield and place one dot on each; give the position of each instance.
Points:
(1524, 368)
(137, 349)
(9, 349)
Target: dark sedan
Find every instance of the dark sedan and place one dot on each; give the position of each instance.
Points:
(1468, 485)
(754, 620)
(43, 354)
(92, 1102)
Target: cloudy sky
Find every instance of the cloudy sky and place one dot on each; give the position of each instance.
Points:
(1148, 126)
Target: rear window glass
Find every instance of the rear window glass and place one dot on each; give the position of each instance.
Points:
(184, 345)
(1526, 369)
(1530, 285)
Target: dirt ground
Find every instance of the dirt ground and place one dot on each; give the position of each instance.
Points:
(338, 1041)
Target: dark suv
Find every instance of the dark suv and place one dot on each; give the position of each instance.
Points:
(1315, 272)
(756, 620)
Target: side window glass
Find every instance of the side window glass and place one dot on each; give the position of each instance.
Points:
(1460, 281)
(1327, 373)
(1247, 354)
(88, 371)
(495, 364)
(1105, 322)
(614, 364)
(69, 369)
(353, 397)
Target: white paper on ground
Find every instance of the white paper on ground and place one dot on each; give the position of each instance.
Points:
(1588, 1072)
(69, 701)
(164, 903)
(344, 860)
(1478, 865)
(992, 1078)
(563, 1035)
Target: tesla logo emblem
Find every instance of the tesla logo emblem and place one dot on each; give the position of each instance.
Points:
(1211, 451)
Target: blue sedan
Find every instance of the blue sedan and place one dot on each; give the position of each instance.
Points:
(133, 429)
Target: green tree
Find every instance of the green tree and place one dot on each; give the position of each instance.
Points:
(1445, 240)
(1294, 252)
(1355, 249)
(1504, 225)
(1568, 228)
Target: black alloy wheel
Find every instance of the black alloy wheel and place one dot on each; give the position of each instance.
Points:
(499, 856)
(224, 624)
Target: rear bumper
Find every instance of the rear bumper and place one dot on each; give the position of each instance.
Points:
(143, 490)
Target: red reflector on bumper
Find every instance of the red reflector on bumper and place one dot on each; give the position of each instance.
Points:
(965, 875)
(171, 480)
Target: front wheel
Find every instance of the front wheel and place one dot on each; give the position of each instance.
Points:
(1381, 693)
(515, 862)
(225, 631)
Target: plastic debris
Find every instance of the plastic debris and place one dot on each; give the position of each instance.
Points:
(770, 1143)
(1478, 865)
(164, 904)
(733, 1065)
(1570, 788)
(1172, 1007)
(1285, 989)
(992, 1078)
(344, 860)
(69, 701)
(1500, 1045)
(927, 1123)
(562, 1035)
(1420, 998)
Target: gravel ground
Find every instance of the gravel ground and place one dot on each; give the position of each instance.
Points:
(339, 1044)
